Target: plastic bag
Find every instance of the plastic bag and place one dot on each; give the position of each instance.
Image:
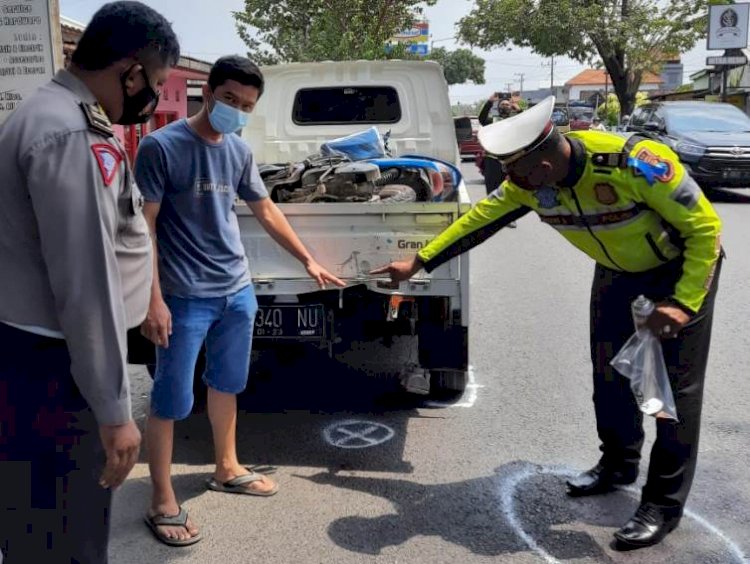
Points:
(366, 144)
(641, 360)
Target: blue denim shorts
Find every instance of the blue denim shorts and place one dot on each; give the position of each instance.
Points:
(226, 326)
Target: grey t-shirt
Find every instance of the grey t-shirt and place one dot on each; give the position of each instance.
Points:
(197, 182)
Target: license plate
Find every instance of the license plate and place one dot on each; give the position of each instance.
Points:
(735, 174)
(301, 322)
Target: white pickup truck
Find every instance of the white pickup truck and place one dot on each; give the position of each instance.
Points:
(420, 330)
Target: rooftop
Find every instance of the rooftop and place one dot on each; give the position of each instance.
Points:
(596, 77)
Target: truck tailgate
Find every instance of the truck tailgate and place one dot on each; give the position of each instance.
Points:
(350, 240)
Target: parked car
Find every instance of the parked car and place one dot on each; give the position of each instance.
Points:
(467, 128)
(712, 139)
(581, 117)
(561, 117)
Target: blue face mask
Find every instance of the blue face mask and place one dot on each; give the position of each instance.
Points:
(226, 119)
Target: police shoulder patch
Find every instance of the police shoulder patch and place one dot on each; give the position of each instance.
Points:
(97, 120)
(648, 164)
(109, 159)
(605, 194)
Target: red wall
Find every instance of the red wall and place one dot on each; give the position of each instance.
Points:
(173, 105)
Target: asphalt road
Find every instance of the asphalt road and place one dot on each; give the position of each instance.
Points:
(480, 481)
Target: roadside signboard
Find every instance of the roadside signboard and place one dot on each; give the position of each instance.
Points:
(732, 61)
(30, 49)
(728, 26)
(418, 33)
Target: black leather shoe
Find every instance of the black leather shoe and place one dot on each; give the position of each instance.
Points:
(598, 480)
(647, 527)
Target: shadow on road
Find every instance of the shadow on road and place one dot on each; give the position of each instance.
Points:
(727, 196)
(490, 516)
(289, 403)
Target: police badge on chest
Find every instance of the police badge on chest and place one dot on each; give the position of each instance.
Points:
(547, 197)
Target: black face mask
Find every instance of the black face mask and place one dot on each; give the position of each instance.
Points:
(133, 106)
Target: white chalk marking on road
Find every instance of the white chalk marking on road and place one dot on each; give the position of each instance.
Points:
(470, 395)
(510, 485)
(357, 433)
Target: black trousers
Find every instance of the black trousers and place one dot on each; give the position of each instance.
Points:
(493, 174)
(52, 509)
(618, 419)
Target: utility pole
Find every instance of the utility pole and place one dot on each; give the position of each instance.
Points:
(520, 76)
(509, 85)
(551, 66)
(552, 72)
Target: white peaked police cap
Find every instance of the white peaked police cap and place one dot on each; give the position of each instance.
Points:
(514, 137)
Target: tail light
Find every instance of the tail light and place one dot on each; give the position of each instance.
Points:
(437, 181)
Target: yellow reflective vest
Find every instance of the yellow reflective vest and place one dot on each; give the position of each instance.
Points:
(628, 204)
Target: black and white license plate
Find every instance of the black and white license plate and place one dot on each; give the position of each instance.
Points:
(735, 174)
(301, 322)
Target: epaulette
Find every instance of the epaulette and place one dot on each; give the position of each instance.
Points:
(97, 120)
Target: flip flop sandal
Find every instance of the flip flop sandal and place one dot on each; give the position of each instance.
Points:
(179, 520)
(237, 485)
(262, 469)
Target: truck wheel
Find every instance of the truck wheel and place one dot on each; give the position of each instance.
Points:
(448, 384)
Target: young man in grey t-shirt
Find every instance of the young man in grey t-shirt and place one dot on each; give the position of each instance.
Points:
(190, 173)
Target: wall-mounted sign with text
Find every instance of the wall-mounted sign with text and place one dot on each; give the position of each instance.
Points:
(30, 49)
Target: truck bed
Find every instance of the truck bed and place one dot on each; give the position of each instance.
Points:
(350, 240)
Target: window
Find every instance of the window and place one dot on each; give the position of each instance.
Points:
(176, 95)
(560, 116)
(701, 116)
(346, 105)
(640, 116)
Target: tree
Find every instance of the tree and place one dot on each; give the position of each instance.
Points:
(317, 30)
(630, 37)
(610, 112)
(459, 66)
(338, 30)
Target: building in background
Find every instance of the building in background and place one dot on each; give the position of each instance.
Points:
(706, 85)
(672, 72)
(591, 84)
(561, 94)
(174, 103)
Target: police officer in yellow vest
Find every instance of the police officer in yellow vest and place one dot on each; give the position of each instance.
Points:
(631, 206)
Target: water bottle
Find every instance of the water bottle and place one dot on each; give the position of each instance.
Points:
(642, 308)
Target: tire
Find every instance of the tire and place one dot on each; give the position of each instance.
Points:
(448, 384)
(397, 194)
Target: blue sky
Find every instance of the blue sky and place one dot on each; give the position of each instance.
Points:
(206, 31)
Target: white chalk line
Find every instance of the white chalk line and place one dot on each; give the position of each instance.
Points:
(363, 435)
(511, 483)
(470, 395)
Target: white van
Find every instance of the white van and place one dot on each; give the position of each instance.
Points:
(420, 330)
